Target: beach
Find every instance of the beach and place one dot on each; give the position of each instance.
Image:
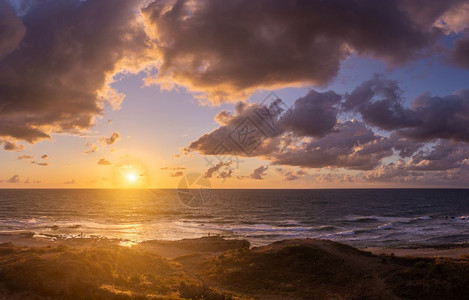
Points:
(218, 268)
(242, 244)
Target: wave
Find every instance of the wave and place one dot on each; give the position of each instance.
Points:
(325, 228)
(199, 216)
(274, 235)
(369, 219)
(386, 226)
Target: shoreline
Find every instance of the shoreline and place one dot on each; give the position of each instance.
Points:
(28, 239)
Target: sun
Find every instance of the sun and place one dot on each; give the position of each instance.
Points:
(130, 174)
(131, 177)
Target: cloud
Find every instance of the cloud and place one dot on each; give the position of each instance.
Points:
(459, 54)
(353, 146)
(14, 179)
(293, 175)
(93, 148)
(430, 135)
(58, 58)
(174, 168)
(226, 50)
(258, 173)
(176, 174)
(444, 155)
(25, 157)
(12, 29)
(104, 162)
(9, 145)
(70, 182)
(444, 163)
(428, 118)
(28, 181)
(455, 19)
(349, 144)
(386, 112)
(240, 133)
(42, 164)
(314, 114)
(336, 178)
(222, 170)
(115, 136)
(45, 156)
(57, 78)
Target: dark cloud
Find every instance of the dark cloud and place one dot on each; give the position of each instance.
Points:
(45, 156)
(58, 58)
(258, 173)
(313, 115)
(380, 104)
(240, 133)
(352, 146)
(429, 118)
(227, 49)
(12, 29)
(293, 175)
(428, 12)
(309, 135)
(222, 169)
(104, 162)
(25, 157)
(460, 53)
(9, 145)
(440, 117)
(444, 155)
(115, 136)
(445, 162)
(57, 78)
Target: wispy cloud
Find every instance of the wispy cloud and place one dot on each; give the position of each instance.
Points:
(104, 162)
(115, 136)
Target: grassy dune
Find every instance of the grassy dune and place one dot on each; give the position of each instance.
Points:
(294, 269)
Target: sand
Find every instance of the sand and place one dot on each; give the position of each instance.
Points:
(451, 251)
(215, 268)
(173, 249)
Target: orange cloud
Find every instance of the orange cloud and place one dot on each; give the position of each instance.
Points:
(104, 162)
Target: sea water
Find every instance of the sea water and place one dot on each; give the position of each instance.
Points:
(359, 217)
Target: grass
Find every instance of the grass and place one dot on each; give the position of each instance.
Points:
(321, 270)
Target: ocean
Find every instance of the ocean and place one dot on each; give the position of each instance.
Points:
(358, 217)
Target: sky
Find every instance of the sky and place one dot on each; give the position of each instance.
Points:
(247, 94)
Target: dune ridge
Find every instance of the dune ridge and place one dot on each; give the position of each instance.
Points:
(216, 268)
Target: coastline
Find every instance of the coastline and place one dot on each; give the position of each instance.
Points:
(27, 239)
(217, 268)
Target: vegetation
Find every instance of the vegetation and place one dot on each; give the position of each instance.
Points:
(307, 269)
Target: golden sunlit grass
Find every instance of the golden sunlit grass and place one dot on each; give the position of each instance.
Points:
(295, 269)
(95, 273)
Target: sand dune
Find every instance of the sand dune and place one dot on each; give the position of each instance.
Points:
(214, 268)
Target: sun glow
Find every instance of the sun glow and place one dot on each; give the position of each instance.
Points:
(130, 174)
(131, 177)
